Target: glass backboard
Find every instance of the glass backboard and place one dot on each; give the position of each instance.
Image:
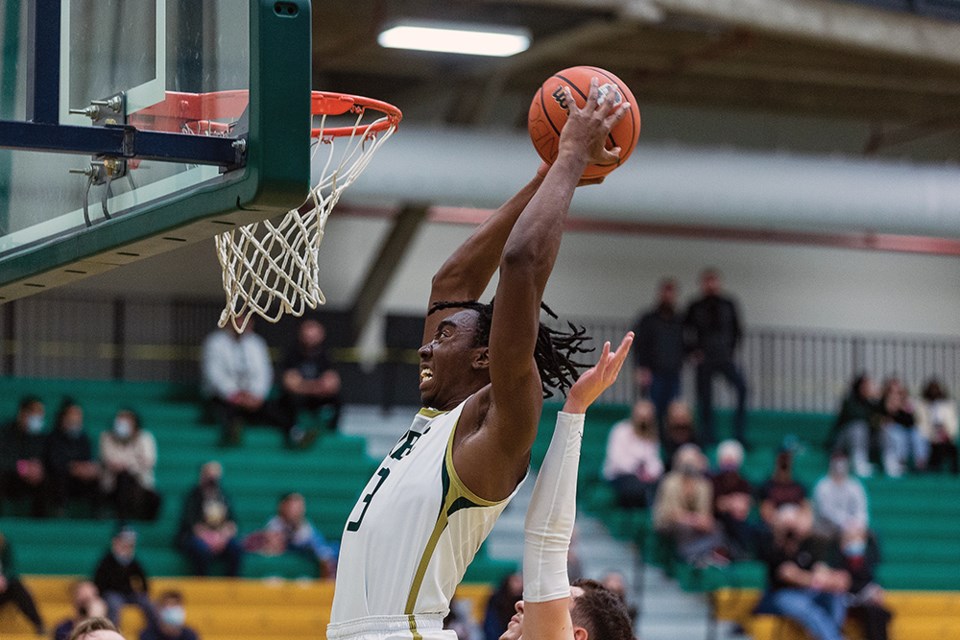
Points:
(172, 91)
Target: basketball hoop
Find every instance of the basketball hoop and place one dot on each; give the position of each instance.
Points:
(272, 269)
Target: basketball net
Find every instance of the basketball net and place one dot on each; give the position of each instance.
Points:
(272, 268)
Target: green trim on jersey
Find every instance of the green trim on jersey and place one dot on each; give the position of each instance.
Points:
(456, 496)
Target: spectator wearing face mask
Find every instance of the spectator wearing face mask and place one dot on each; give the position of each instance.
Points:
(804, 582)
(838, 499)
(87, 604)
(120, 577)
(69, 460)
(21, 457)
(861, 556)
(207, 528)
(679, 430)
(632, 465)
(683, 509)
(170, 620)
(129, 454)
(733, 499)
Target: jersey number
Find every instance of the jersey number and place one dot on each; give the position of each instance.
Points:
(355, 524)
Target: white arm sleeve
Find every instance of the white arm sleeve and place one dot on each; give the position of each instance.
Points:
(551, 514)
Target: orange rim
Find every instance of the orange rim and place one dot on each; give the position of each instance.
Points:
(197, 111)
(336, 104)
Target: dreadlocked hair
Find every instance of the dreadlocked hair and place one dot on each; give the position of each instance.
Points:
(553, 353)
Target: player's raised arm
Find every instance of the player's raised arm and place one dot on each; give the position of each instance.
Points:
(546, 612)
(509, 426)
(467, 272)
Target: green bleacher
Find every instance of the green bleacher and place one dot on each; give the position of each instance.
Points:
(330, 475)
(916, 518)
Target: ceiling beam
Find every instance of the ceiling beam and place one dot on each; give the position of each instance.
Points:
(831, 22)
(394, 247)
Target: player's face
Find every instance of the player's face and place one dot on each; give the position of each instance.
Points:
(447, 372)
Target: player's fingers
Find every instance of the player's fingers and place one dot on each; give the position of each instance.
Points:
(621, 354)
(571, 101)
(616, 115)
(610, 156)
(593, 95)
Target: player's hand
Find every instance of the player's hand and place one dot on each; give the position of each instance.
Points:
(586, 131)
(588, 181)
(598, 378)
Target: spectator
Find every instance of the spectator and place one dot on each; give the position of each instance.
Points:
(12, 590)
(856, 423)
(838, 499)
(801, 585)
(458, 620)
(713, 333)
(237, 376)
(937, 423)
(781, 489)
(87, 604)
(207, 528)
(120, 577)
(733, 499)
(170, 619)
(95, 629)
(632, 465)
(290, 530)
(21, 457)
(901, 439)
(69, 460)
(865, 597)
(617, 585)
(683, 509)
(309, 380)
(679, 430)
(500, 606)
(129, 454)
(659, 350)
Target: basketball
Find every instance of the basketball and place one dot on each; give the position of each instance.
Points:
(548, 114)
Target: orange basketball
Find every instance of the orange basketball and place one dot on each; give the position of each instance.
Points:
(548, 114)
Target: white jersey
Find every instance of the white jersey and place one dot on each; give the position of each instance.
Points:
(412, 534)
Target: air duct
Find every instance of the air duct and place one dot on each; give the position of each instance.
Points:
(674, 185)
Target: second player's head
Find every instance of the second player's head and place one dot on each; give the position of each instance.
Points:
(597, 613)
(456, 362)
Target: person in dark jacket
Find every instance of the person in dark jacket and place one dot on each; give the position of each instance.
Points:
(121, 578)
(208, 531)
(713, 332)
(501, 606)
(12, 590)
(856, 424)
(860, 557)
(21, 457)
(69, 461)
(659, 351)
(309, 379)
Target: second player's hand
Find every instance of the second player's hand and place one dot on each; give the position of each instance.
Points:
(598, 378)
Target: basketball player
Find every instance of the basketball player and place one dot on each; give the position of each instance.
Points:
(551, 608)
(483, 371)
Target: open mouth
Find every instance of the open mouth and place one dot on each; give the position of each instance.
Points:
(426, 374)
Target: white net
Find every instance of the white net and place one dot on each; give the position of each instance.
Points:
(272, 268)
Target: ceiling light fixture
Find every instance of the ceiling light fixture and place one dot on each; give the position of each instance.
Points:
(445, 37)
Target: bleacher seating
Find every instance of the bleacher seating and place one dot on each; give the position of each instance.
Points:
(915, 518)
(330, 475)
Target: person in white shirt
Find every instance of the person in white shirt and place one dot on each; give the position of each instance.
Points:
(632, 465)
(936, 416)
(237, 376)
(838, 499)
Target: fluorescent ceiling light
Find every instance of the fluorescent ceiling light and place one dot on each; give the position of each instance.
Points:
(477, 40)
